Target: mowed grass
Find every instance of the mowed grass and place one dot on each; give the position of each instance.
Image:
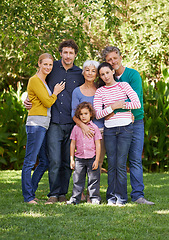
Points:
(20, 220)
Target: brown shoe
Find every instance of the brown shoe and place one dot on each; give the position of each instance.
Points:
(62, 198)
(51, 200)
(36, 199)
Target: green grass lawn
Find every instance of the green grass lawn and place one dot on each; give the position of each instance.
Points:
(20, 220)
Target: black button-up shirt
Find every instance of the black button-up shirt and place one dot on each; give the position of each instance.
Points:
(61, 109)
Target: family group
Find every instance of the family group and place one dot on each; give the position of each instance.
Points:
(76, 116)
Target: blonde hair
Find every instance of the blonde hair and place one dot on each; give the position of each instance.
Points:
(44, 56)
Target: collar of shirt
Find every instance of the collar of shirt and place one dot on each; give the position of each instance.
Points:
(74, 67)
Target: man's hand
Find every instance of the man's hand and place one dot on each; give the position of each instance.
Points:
(132, 117)
(27, 104)
(109, 116)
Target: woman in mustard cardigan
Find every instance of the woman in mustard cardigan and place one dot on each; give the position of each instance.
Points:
(36, 126)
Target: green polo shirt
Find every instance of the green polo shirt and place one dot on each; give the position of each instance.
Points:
(133, 77)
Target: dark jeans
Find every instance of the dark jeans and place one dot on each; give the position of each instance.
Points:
(83, 166)
(117, 143)
(58, 143)
(135, 160)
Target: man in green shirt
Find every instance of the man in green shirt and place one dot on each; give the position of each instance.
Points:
(113, 56)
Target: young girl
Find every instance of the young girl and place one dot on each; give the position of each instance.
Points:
(36, 126)
(87, 156)
(117, 131)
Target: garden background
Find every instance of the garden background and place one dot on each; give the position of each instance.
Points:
(139, 28)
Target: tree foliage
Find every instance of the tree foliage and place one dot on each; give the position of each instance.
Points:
(12, 129)
(139, 28)
(144, 36)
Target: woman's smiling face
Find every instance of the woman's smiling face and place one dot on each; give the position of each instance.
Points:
(90, 73)
(46, 66)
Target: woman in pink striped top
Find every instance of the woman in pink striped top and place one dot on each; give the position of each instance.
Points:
(117, 130)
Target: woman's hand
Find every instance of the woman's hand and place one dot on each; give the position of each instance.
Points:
(117, 104)
(59, 87)
(87, 131)
(27, 104)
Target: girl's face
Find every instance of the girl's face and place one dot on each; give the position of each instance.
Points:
(85, 115)
(90, 73)
(45, 67)
(106, 74)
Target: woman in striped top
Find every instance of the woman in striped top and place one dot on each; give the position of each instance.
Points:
(117, 130)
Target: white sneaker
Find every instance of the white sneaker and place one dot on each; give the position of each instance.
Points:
(95, 201)
(70, 202)
(110, 203)
(120, 204)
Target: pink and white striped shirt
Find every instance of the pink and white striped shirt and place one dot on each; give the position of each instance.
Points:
(107, 95)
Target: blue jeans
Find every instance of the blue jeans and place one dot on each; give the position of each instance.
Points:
(135, 160)
(58, 143)
(36, 145)
(117, 143)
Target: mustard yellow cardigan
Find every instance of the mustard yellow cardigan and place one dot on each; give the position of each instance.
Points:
(39, 97)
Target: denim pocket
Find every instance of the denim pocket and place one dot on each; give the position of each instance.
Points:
(129, 128)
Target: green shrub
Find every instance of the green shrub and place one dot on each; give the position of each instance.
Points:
(156, 106)
(12, 129)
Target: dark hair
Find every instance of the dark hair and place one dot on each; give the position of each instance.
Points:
(108, 50)
(68, 43)
(85, 105)
(100, 82)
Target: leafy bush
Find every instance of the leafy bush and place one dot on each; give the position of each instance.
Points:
(156, 106)
(12, 129)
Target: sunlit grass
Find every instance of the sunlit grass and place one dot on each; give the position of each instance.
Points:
(20, 220)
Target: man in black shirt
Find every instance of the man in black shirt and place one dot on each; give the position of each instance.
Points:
(58, 135)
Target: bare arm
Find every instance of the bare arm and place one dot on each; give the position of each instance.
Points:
(98, 151)
(72, 153)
